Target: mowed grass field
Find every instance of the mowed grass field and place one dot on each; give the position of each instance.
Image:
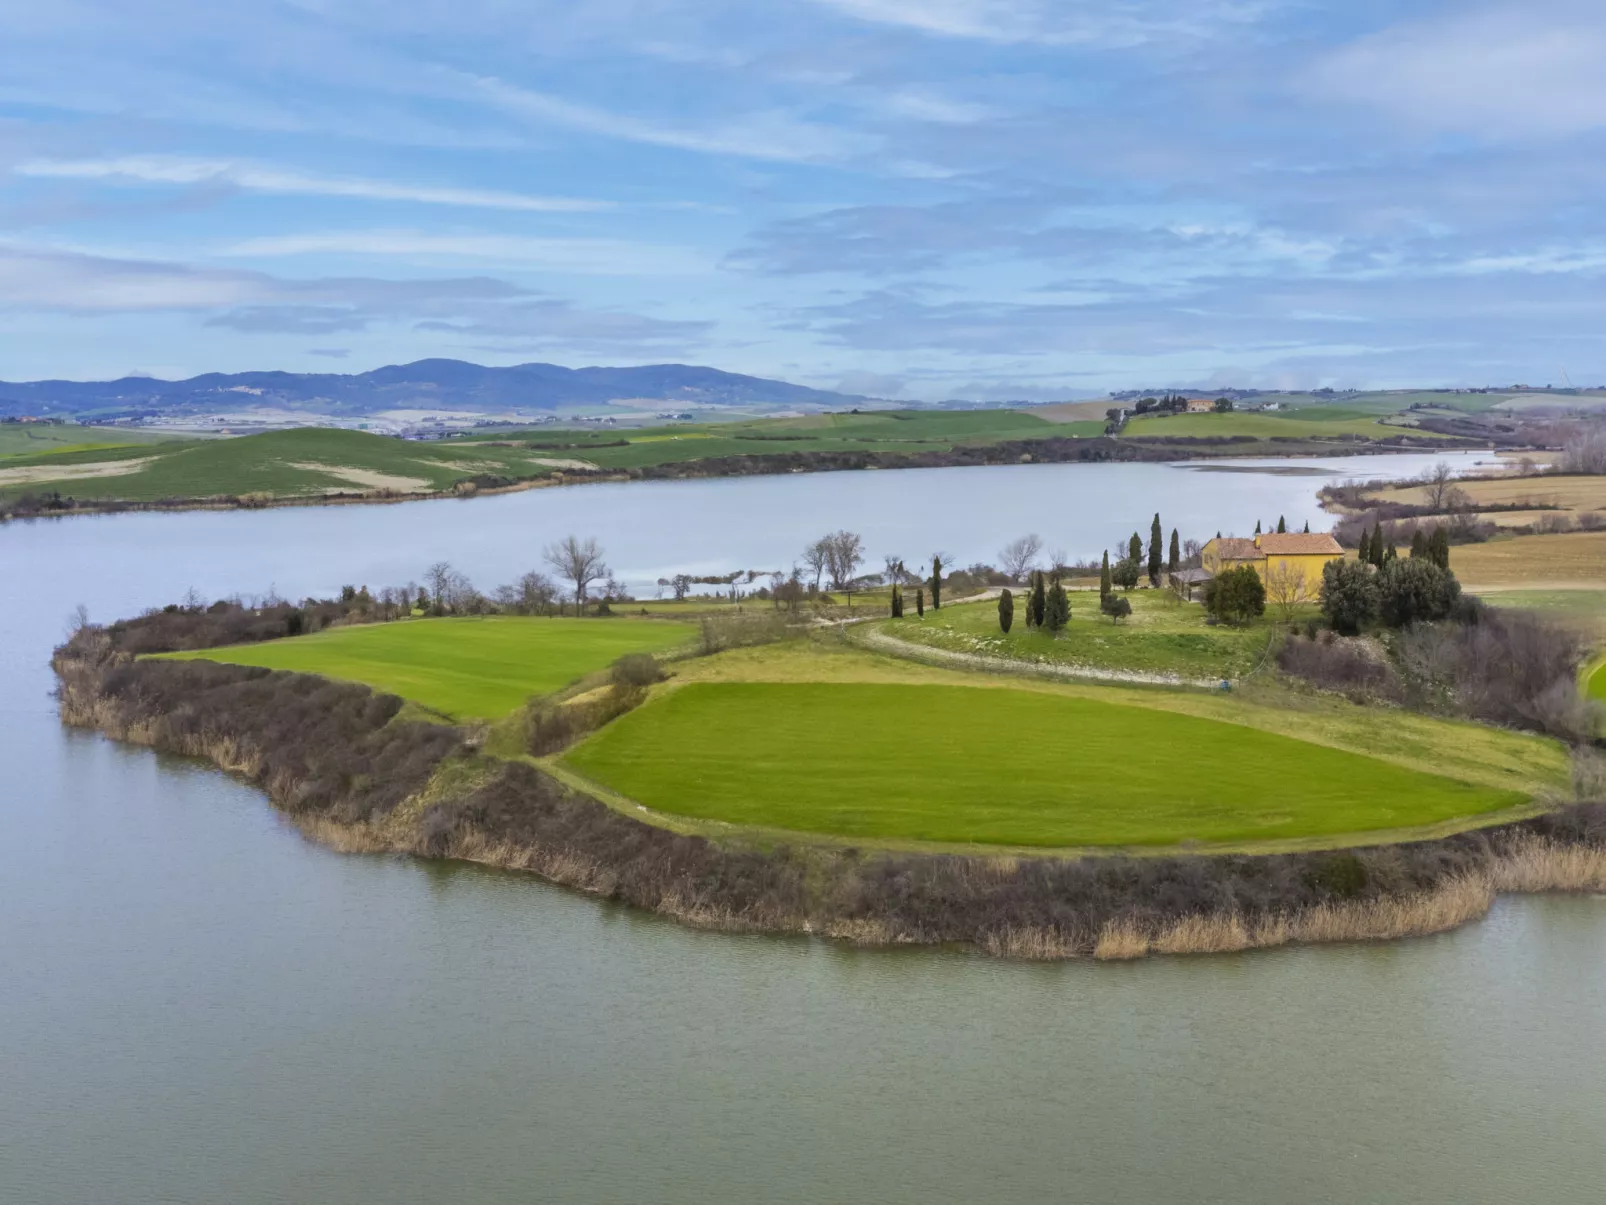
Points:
(472, 668)
(969, 764)
(1161, 636)
(48, 439)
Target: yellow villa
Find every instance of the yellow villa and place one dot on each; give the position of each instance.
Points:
(1276, 556)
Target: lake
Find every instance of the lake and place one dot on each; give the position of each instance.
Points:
(196, 1005)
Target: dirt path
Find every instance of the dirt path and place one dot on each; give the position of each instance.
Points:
(883, 643)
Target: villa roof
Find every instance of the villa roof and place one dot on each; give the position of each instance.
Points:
(1231, 548)
(1299, 544)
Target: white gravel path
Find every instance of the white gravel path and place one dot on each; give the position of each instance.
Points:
(884, 643)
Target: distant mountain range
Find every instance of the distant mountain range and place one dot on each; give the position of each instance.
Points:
(447, 385)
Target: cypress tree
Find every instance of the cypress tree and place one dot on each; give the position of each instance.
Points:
(1282, 525)
(1174, 561)
(936, 583)
(1389, 553)
(1039, 603)
(920, 603)
(1257, 527)
(1419, 544)
(1307, 527)
(897, 601)
(1104, 577)
(1006, 610)
(1439, 547)
(1155, 538)
(1134, 549)
(1056, 608)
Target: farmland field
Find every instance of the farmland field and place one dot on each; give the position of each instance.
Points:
(47, 439)
(1312, 422)
(1572, 559)
(1569, 493)
(1012, 767)
(1162, 636)
(472, 668)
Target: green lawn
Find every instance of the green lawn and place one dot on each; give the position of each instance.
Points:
(1161, 637)
(1597, 682)
(998, 766)
(472, 668)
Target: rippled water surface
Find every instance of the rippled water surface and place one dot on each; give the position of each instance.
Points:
(198, 1006)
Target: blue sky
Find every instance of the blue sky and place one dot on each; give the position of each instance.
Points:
(916, 198)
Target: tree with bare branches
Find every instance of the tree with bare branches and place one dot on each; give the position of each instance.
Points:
(844, 552)
(578, 561)
(1019, 557)
(1436, 481)
(1286, 588)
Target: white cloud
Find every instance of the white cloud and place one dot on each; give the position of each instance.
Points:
(154, 169)
(1054, 21)
(1507, 72)
(584, 256)
(773, 135)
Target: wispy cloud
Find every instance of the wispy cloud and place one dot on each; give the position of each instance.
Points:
(582, 256)
(35, 279)
(1511, 71)
(770, 134)
(249, 177)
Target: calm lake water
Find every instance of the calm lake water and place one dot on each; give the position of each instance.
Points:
(198, 1006)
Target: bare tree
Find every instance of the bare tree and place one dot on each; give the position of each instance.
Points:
(1584, 452)
(1018, 557)
(815, 557)
(1437, 483)
(438, 579)
(1285, 587)
(578, 561)
(894, 569)
(843, 552)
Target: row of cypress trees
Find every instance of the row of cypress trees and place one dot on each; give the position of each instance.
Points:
(1376, 551)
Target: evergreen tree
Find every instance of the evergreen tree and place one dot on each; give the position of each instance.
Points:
(1174, 561)
(936, 583)
(1257, 527)
(920, 602)
(1156, 536)
(1039, 603)
(897, 601)
(1056, 608)
(1439, 547)
(1389, 553)
(1419, 544)
(1134, 549)
(1104, 577)
(1006, 610)
(1282, 525)
(1307, 527)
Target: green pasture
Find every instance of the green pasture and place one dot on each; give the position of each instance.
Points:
(963, 764)
(1596, 682)
(307, 461)
(468, 668)
(1162, 636)
(47, 439)
(1306, 422)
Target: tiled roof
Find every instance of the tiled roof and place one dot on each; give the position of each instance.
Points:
(1230, 548)
(1299, 544)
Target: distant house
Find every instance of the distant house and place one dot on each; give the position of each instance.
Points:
(1201, 405)
(1304, 552)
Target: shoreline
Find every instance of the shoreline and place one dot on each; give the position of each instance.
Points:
(985, 456)
(365, 781)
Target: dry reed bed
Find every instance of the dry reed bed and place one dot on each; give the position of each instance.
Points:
(356, 779)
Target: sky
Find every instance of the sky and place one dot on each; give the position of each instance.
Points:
(988, 199)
